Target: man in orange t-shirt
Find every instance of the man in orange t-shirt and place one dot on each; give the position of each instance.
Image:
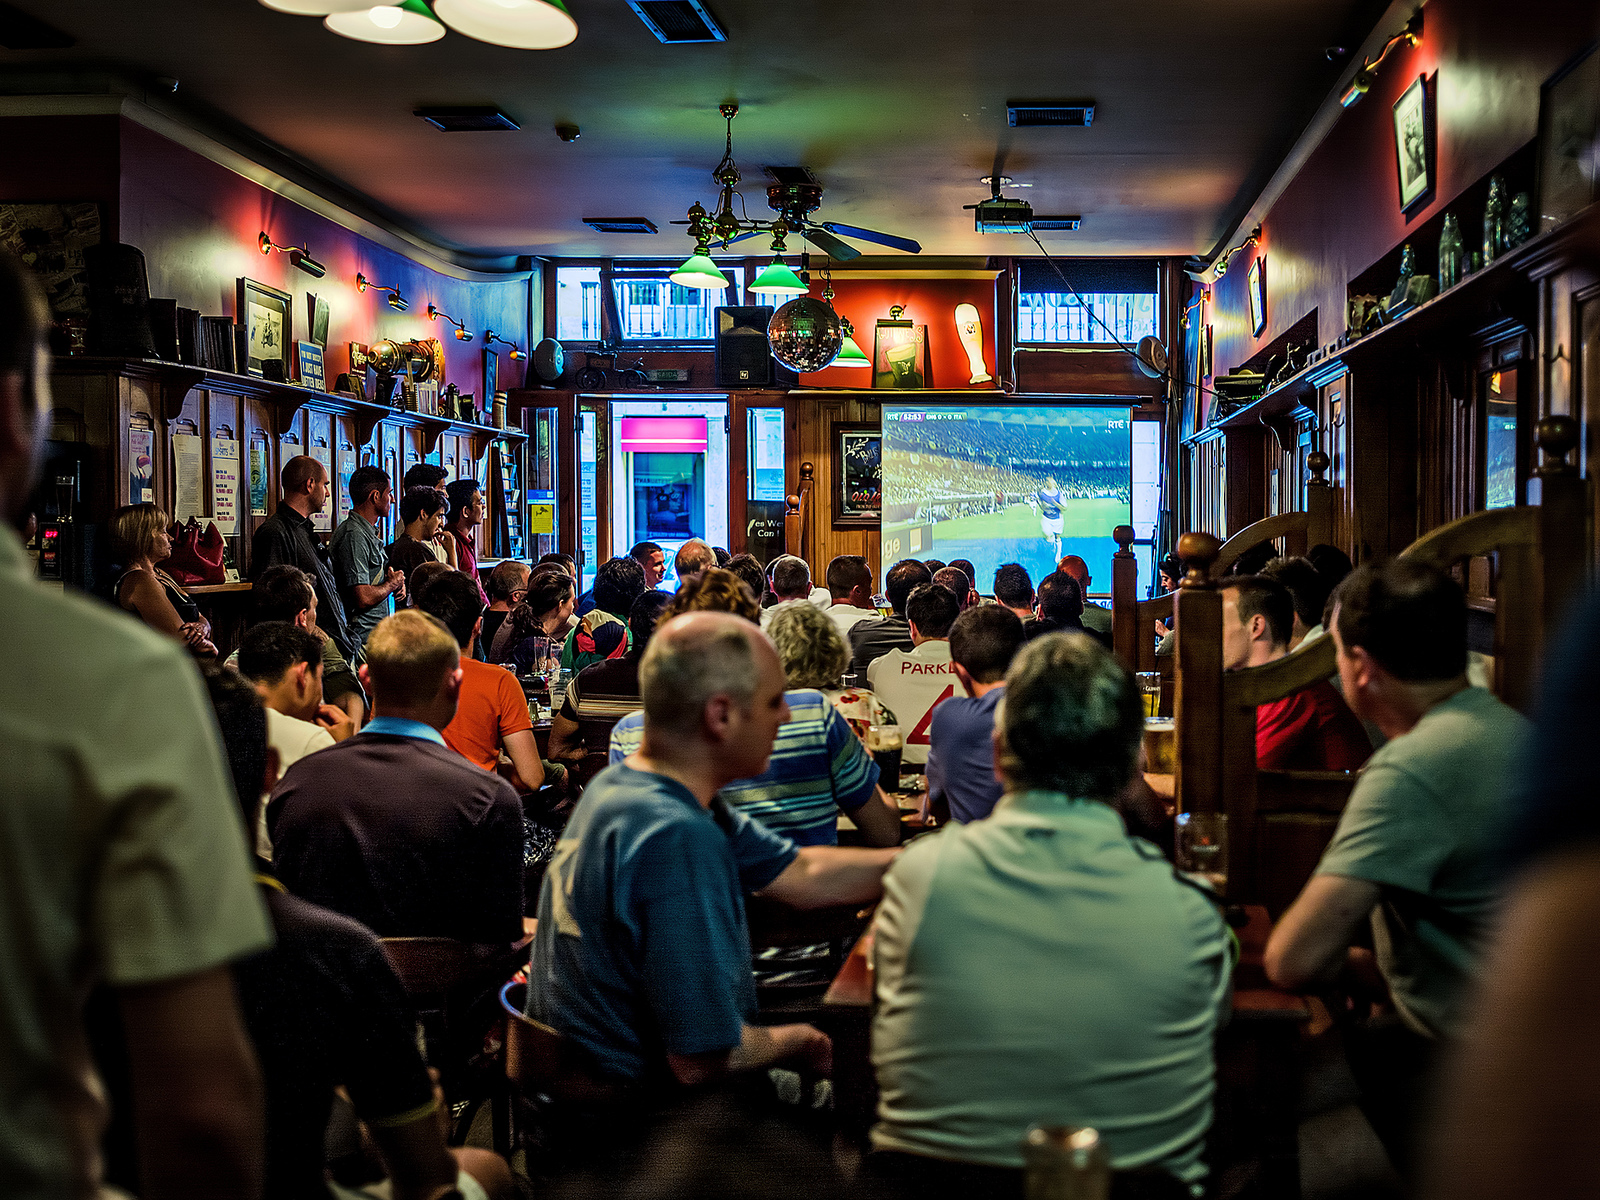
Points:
(492, 712)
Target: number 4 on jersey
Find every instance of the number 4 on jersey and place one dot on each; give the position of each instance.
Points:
(919, 735)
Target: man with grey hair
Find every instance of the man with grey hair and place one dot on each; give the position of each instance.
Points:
(1061, 971)
(642, 958)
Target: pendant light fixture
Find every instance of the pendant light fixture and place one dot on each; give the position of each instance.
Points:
(698, 271)
(776, 279)
(409, 23)
(319, 8)
(850, 354)
(519, 24)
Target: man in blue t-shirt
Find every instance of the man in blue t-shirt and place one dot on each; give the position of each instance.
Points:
(961, 777)
(642, 958)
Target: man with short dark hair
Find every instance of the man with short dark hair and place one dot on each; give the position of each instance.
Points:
(871, 638)
(506, 586)
(603, 632)
(1307, 589)
(849, 582)
(791, 580)
(961, 776)
(1310, 730)
(1060, 607)
(642, 956)
(748, 568)
(1014, 588)
(284, 593)
(394, 828)
(360, 561)
(422, 516)
(955, 581)
(491, 710)
(123, 862)
(467, 510)
(1416, 845)
(652, 559)
(914, 683)
(1042, 964)
(1096, 618)
(287, 537)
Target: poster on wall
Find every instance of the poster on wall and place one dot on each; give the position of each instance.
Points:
(141, 465)
(188, 477)
(858, 476)
(900, 355)
(258, 479)
(347, 468)
(225, 484)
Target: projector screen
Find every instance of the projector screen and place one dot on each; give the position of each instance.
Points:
(998, 485)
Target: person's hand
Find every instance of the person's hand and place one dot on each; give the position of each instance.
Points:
(336, 721)
(395, 581)
(193, 633)
(1161, 629)
(816, 1052)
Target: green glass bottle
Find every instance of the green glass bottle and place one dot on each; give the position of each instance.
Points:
(1450, 253)
(1494, 220)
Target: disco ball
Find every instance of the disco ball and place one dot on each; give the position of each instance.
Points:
(805, 334)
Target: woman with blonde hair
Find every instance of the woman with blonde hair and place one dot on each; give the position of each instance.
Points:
(139, 541)
(815, 656)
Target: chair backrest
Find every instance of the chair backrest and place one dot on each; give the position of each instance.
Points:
(433, 969)
(533, 1049)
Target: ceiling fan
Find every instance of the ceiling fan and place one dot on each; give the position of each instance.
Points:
(794, 193)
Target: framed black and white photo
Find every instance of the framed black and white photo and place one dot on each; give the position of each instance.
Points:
(268, 319)
(857, 476)
(1413, 145)
(1569, 140)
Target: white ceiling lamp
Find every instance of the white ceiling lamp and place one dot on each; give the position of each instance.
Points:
(518, 24)
(406, 24)
(320, 8)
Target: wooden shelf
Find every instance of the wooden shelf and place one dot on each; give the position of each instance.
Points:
(212, 589)
(435, 427)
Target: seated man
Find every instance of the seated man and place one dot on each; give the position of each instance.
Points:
(505, 586)
(791, 580)
(1013, 588)
(871, 638)
(1309, 592)
(961, 779)
(850, 589)
(1041, 966)
(600, 696)
(1060, 607)
(1311, 730)
(491, 710)
(955, 581)
(603, 632)
(284, 662)
(324, 1010)
(642, 956)
(1416, 846)
(912, 684)
(393, 827)
(284, 593)
(693, 557)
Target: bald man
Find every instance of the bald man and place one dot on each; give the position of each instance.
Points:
(642, 958)
(287, 536)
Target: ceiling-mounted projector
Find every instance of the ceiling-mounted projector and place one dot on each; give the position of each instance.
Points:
(1001, 214)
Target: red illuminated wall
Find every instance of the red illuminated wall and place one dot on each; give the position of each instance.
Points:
(930, 302)
(1341, 213)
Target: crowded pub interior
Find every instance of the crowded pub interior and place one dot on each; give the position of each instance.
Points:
(737, 609)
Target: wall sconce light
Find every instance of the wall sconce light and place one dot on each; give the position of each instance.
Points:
(1368, 71)
(490, 337)
(300, 256)
(1221, 267)
(396, 301)
(462, 333)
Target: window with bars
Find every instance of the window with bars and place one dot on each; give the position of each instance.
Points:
(649, 306)
(1087, 301)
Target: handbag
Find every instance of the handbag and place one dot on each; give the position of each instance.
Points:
(196, 557)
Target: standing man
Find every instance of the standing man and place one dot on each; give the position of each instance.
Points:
(287, 537)
(466, 517)
(360, 561)
(145, 885)
(1051, 514)
(431, 475)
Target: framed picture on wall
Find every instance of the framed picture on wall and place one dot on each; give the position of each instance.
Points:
(900, 355)
(1258, 296)
(1413, 145)
(268, 319)
(857, 476)
(1569, 140)
(310, 356)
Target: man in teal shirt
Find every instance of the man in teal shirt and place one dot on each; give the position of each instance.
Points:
(360, 560)
(1414, 849)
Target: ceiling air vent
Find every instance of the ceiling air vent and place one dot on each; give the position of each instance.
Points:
(620, 224)
(678, 21)
(1056, 223)
(469, 119)
(1059, 113)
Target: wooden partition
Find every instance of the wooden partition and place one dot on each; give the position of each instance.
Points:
(1279, 822)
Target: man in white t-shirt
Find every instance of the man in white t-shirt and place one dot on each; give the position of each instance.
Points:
(912, 684)
(850, 589)
(285, 664)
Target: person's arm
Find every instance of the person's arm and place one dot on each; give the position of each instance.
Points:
(523, 751)
(337, 721)
(760, 1046)
(821, 876)
(419, 1162)
(366, 595)
(566, 738)
(197, 1094)
(1308, 943)
(147, 599)
(878, 820)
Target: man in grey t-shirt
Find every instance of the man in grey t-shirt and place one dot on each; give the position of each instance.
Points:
(360, 558)
(1413, 850)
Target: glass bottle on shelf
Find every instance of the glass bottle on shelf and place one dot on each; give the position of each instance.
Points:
(1450, 253)
(1519, 226)
(1494, 220)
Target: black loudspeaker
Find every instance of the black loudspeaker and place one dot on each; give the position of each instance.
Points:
(743, 358)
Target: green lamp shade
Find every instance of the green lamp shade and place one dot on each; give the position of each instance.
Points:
(407, 24)
(699, 272)
(850, 355)
(320, 8)
(519, 24)
(778, 280)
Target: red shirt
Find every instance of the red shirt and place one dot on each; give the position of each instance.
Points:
(1312, 730)
(467, 558)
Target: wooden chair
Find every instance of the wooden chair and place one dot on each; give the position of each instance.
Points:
(451, 986)
(793, 981)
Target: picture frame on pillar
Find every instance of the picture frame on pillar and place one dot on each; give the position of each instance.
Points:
(1414, 145)
(857, 476)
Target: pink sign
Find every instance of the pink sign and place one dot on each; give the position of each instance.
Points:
(663, 435)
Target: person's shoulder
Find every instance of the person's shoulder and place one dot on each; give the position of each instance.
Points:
(293, 733)
(111, 641)
(807, 703)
